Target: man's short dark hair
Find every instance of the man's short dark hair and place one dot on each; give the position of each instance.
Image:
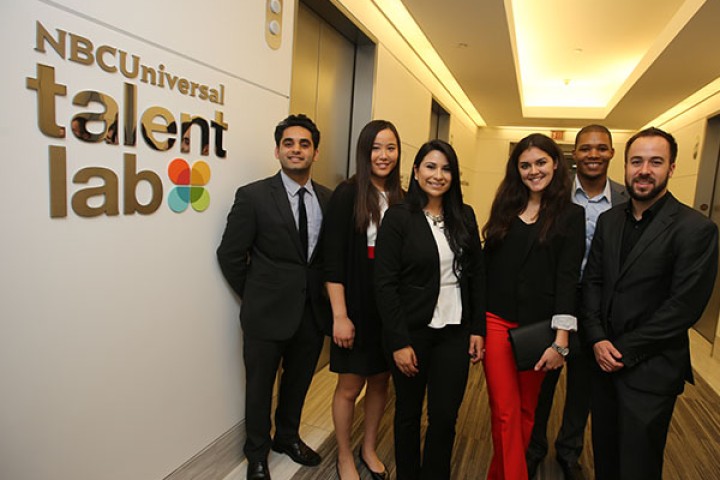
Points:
(654, 132)
(593, 128)
(299, 120)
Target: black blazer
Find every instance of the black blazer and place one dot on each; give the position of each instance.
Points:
(346, 262)
(550, 272)
(646, 306)
(407, 276)
(261, 257)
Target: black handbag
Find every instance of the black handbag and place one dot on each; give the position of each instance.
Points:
(529, 342)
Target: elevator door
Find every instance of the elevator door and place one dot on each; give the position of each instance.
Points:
(707, 325)
(322, 88)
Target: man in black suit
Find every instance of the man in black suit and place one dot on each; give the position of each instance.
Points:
(596, 193)
(650, 273)
(269, 255)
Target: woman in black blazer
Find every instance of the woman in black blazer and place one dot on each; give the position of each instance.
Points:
(430, 290)
(534, 244)
(351, 221)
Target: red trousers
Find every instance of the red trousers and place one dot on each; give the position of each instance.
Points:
(513, 397)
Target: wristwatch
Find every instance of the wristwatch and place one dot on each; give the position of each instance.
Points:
(561, 350)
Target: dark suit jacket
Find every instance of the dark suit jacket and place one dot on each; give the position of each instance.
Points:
(550, 271)
(646, 306)
(261, 257)
(407, 276)
(618, 193)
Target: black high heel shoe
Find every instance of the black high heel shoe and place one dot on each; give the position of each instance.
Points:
(374, 475)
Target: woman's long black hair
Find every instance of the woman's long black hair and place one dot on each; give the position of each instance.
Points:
(367, 202)
(457, 228)
(512, 195)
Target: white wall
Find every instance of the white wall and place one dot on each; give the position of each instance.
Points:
(120, 349)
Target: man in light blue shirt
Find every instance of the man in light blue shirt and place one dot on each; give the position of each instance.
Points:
(271, 257)
(593, 190)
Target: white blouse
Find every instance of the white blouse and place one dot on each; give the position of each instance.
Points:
(372, 228)
(448, 310)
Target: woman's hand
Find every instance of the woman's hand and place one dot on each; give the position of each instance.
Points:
(550, 360)
(343, 331)
(477, 348)
(406, 361)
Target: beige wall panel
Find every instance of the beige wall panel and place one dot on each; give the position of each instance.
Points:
(401, 99)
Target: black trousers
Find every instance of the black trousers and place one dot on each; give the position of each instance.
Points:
(629, 429)
(298, 357)
(569, 442)
(444, 363)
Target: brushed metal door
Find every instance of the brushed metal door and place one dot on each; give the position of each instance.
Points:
(707, 197)
(322, 88)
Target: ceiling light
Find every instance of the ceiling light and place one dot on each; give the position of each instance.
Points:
(632, 38)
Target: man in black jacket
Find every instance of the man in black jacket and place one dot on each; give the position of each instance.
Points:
(649, 275)
(270, 256)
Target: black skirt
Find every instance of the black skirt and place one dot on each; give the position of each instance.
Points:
(367, 356)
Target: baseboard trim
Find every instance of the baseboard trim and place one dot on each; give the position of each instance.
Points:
(215, 461)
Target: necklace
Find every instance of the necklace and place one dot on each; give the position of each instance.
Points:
(436, 219)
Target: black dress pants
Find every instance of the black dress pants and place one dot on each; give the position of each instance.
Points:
(629, 429)
(443, 362)
(298, 357)
(569, 442)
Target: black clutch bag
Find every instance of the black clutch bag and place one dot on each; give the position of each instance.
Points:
(530, 341)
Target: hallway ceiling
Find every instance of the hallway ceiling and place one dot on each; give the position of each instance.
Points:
(578, 39)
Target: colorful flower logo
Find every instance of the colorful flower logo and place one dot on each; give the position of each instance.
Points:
(190, 185)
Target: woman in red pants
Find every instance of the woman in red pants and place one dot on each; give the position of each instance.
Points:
(534, 243)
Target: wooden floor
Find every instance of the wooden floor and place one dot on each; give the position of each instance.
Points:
(693, 449)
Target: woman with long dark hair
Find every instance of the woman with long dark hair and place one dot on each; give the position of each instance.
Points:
(534, 244)
(352, 219)
(430, 291)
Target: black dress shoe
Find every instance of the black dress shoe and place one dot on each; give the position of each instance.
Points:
(571, 470)
(299, 452)
(258, 470)
(374, 475)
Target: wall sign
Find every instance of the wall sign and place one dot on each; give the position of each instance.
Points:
(114, 125)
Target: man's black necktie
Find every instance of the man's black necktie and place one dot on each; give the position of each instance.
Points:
(302, 221)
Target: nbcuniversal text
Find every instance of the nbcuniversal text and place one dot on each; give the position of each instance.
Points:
(97, 189)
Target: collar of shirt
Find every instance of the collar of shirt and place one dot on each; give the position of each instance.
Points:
(581, 197)
(292, 187)
(649, 213)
